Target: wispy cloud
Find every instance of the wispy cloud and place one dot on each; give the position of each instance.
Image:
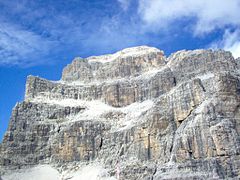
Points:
(229, 42)
(33, 32)
(23, 40)
(21, 47)
(203, 15)
(124, 3)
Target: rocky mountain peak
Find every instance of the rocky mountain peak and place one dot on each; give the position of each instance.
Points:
(126, 63)
(126, 54)
(135, 114)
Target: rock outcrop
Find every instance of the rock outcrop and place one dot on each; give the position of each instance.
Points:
(135, 114)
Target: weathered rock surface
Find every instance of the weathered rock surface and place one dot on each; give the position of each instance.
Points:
(136, 114)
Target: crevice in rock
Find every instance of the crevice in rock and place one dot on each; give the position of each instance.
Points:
(171, 148)
(174, 81)
(75, 96)
(202, 86)
(190, 153)
(188, 115)
(154, 172)
(149, 147)
(59, 129)
(238, 87)
(121, 152)
(101, 144)
(118, 95)
(180, 122)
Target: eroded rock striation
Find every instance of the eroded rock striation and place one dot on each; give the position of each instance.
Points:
(135, 114)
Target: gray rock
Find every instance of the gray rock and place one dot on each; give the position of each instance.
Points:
(126, 63)
(151, 116)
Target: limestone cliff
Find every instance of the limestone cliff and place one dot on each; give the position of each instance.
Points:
(135, 114)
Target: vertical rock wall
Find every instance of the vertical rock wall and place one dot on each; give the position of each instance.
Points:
(154, 117)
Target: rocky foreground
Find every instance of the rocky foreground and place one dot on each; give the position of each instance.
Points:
(135, 114)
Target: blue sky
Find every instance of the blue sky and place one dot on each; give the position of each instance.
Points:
(40, 37)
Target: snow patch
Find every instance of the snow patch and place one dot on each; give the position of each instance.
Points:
(133, 52)
(201, 107)
(134, 112)
(41, 172)
(47, 172)
(94, 109)
(97, 110)
(90, 172)
(60, 102)
(205, 76)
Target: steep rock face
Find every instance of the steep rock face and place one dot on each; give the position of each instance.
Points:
(116, 93)
(137, 113)
(125, 63)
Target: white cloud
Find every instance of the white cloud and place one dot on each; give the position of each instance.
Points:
(124, 4)
(33, 35)
(55, 32)
(235, 49)
(230, 42)
(40, 36)
(21, 47)
(208, 15)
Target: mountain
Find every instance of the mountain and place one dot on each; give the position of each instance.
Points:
(135, 114)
